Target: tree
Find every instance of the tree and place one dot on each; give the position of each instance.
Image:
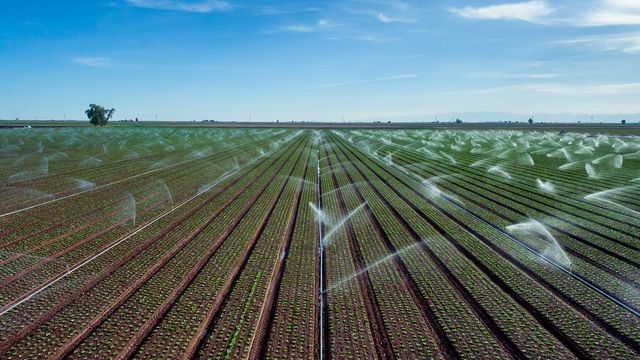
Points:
(530, 121)
(98, 115)
(623, 121)
(458, 121)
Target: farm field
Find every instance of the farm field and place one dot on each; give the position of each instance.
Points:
(292, 243)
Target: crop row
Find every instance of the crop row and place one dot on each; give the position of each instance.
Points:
(427, 258)
(70, 207)
(228, 336)
(507, 151)
(71, 163)
(74, 249)
(350, 331)
(586, 220)
(392, 305)
(148, 200)
(514, 274)
(294, 328)
(135, 255)
(525, 186)
(204, 294)
(588, 259)
(523, 174)
(151, 300)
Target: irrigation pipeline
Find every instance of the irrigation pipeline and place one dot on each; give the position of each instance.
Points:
(577, 277)
(321, 259)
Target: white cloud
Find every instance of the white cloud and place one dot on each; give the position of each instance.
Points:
(611, 18)
(631, 4)
(354, 82)
(583, 13)
(297, 28)
(531, 11)
(200, 6)
(326, 24)
(627, 42)
(388, 20)
(612, 12)
(322, 24)
(95, 61)
(383, 18)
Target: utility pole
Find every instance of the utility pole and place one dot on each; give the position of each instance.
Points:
(156, 116)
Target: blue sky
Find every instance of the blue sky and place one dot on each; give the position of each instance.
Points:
(318, 60)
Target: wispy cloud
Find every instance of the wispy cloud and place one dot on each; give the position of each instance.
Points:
(396, 5)
(612, 12)
(322, 24)
(586, 13)
(199, 6)
(598, 89)
(509, 75)
(297, 28)
(268, 10)
(374, 38)
(93, 61)
(530, 11)
(354, 82)
(561, 89)
(389, 20)
(627, 42)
